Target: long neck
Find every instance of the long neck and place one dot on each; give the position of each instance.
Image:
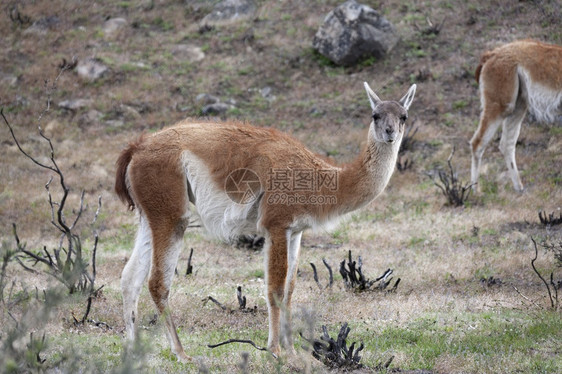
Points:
(365, 178)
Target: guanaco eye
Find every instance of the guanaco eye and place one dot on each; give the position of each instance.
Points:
(376, 116)
(403, 118)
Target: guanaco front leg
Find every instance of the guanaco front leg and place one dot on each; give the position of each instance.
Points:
(294, 244)
(167, 241)
(276, 275)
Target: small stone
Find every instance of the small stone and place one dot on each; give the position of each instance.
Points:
(229, 11)
(9, 80)
(75, 104)
(91, 69)
(90, 117)
(114, 123)
(217, 108)
(129, 111)
(206, 99)
(188, 52)
(112, 25)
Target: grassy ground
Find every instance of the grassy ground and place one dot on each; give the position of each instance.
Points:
(447, 315)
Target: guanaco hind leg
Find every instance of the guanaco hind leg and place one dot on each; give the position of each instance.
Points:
(510, 133)
(134, 274)
(485, 132)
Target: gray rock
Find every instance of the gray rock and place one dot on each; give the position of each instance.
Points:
(129, 111)
(42, 25)
(267, 93)
(216, 108)
(8, 80)
(90, 117)
(112, 25)
(91, 69)
(188, 52)
(353, 31)
(114, 123)
(229, 11)
(206, 99)
(75, 104)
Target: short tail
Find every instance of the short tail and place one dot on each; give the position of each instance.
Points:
(485, 57)
(122, 164)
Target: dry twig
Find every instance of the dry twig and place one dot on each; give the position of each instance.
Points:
(245, 341)
(330, 274)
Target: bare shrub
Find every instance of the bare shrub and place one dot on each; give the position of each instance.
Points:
(551, 219)
(253, 242)
(336, 353)
(352, 274)
(456, 192)
(552, 286)
(66, 263)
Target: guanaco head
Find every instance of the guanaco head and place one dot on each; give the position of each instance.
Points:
(389, 117)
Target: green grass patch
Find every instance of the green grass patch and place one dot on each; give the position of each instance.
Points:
(527, 342)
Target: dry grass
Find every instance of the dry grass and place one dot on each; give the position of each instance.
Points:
(435, 249)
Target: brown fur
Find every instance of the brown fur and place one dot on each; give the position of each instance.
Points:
(122, 164)
(483, 59)
(505, 94)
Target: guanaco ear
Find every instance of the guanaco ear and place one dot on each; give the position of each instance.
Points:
(406, 101)
(373, 98)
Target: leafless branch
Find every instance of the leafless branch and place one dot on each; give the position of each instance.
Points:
(315, 275)
(241, 299)
(189, 269)
(526, 298)
(19, 146)
(331, 275)
(245, 341)
(553, 300)
(97, 211)
(215, 301)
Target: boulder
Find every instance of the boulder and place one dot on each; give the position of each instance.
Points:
(353, 31)
(229, 11)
